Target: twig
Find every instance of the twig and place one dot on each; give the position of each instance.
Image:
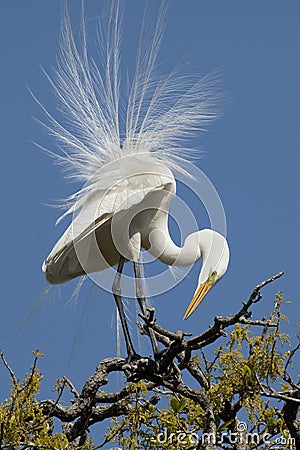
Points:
(279, 396)
(198, 374)
(292, 353)
(274, 394)
(71, 386)
(217, 330)
(262, 323)
(13, 377)
(264, 283)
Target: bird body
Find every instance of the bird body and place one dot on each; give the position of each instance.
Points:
(135, 190)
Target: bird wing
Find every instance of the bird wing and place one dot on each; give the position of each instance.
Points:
(97, 208)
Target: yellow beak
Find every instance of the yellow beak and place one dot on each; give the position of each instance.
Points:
(200, 293)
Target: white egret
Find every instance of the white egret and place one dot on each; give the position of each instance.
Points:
(126, 157)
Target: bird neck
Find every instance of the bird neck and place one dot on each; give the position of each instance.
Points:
(161, 245)
(206, 244)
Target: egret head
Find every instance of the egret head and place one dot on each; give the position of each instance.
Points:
(215, 254)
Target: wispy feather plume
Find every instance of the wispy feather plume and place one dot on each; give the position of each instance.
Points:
(160, 112)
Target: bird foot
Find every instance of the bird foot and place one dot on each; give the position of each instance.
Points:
(136, 363)
(136, 366)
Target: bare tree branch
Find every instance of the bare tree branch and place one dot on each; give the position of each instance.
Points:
(12, 375)
(91, 405)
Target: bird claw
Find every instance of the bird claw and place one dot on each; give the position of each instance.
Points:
(138, 366)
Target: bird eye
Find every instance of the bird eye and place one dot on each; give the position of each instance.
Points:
(212, 276)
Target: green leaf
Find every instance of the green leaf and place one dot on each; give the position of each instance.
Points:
(178, 405)
(246, 370)
(225, 425)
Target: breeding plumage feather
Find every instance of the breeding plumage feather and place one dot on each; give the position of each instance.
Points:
(160, 112)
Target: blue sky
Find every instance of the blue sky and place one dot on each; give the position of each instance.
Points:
(252, 158)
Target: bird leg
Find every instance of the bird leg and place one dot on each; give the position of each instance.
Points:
(139, 275)
(116, 289)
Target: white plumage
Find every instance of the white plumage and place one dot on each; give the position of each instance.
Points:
(125, 155)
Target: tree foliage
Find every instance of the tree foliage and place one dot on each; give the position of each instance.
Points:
(238, 393)
(22, 422)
